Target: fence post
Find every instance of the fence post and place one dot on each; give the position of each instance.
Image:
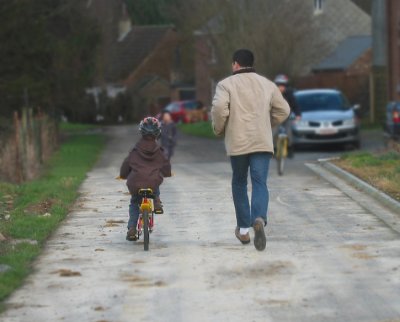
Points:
(24, 143)
(18, 165)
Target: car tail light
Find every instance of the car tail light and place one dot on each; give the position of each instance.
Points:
(396, 116)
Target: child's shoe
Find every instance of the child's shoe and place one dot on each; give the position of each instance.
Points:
(131, 235)
(158, 209)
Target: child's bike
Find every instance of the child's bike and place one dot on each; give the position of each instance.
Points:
(281, 149)
(145, 222)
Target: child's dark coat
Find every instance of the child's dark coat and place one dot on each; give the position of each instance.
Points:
(145, 166)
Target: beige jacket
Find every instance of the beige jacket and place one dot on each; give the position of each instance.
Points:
(245, 108)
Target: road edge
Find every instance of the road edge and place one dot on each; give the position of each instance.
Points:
(346, 183)
(382, 197)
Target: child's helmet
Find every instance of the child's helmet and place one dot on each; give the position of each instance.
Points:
(150, 126)
(281, 79)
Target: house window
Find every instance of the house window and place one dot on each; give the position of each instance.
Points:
(317, 6)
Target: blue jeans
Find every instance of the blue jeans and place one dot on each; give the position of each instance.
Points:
(258, 163)
(134, 208)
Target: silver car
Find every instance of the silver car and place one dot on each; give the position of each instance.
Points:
(326, 117)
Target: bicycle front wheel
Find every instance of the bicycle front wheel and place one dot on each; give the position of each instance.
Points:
(146, 235)
(281, 165)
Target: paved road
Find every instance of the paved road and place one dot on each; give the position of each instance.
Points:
(327, 257)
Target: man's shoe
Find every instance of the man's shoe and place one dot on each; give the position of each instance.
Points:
(260, 241)
(244, 239)
(131, 235)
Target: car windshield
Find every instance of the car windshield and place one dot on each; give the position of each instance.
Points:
(190, 105)
(322, 102)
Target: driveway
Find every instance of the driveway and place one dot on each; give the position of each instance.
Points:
(328, 258)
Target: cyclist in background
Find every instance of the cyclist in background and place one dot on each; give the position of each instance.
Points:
(144, 167)
(282, 81)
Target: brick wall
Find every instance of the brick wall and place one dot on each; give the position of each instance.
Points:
(353, 82)
(355, 87)
(362, 66)
(393, 30)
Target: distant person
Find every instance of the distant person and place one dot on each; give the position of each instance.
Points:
(245, 107)
(144, 167)
(282, 81)
(201, 111)
(168, 134)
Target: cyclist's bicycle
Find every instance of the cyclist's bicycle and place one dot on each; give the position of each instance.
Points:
(145, 222)
(282, 143)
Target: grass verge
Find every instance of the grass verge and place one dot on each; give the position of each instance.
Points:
(30, 212)
(381, 170)
(71, 128)
(202, 129)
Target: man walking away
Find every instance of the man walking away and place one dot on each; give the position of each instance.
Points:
(245, 107)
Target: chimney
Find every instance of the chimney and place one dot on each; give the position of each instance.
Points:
(124, 25)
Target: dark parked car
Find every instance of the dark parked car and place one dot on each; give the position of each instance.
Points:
(392, 121)
(326, 117)
(187, 111)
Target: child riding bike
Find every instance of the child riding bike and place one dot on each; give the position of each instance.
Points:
(144, 167)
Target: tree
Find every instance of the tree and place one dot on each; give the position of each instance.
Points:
(148, 12)
(281, 34)
(46, 56)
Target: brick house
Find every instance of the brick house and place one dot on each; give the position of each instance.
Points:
(347, 68)
(142, 63)
(134, 60)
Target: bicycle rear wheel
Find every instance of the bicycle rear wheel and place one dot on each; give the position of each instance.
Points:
(281, 165)
(281, 155)
(146, 236)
